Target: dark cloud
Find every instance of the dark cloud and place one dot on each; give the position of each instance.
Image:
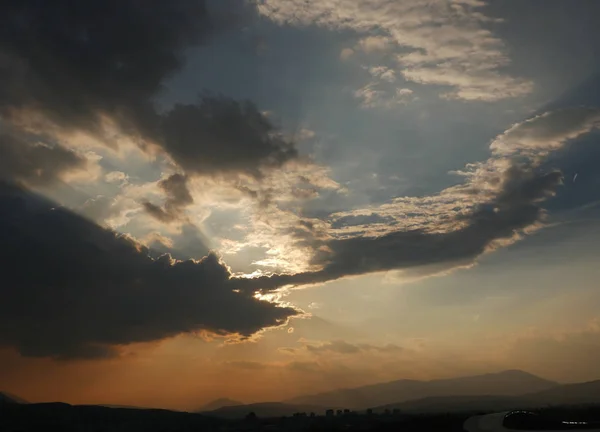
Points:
(77, 61)
(158, 212)
(219, 134)
(177, 198)
(515, 208)
(372, 218)
(77, 64)
(35, 164)
(73, 289)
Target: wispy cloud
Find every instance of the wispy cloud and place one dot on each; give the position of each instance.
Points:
(436, 42)
(343, 347)
(499, 202)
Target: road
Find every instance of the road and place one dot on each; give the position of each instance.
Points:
(486, 423)
(493, 423)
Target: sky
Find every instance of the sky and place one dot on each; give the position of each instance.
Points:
(260, 199)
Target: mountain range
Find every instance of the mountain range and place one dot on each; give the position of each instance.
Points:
(501, 391)
(507, 383)
(220, 403)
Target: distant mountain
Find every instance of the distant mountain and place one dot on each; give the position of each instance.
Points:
(264, 410)
(507, 383)
(10, 398)
(220, 403)
(587, 392)
(566, 394)
(445, 404)
(123, 406)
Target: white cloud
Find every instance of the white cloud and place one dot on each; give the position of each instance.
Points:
(115, 177)
(546, 132)
(346, 53)
(437, 42)
(379, 94)
(372, 44)
(529, 142)
(383, 73)
(305, 134)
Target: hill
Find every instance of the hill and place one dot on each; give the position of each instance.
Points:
(10, 398)
(581, 393)
(220, 403)
(507, 383)
(560, 395)
(447, 404)
(62, 416)
(264, 410)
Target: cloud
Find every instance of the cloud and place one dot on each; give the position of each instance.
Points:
(339, 347)
(67, 71)
(515, 209)
(248, 365)
(346, 53)
(178, 197)
(221, 135)
(101, 208)
(116, 177)
(381, 93)
(342, 347)
(36, 163)
(546, 132)
(384, 73)
(72, 289)
(437, 42)
(304, 367)
(72, 65)
(372, 44)
(499, 202)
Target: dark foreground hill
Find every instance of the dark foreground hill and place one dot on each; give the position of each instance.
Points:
(449, 404)
(264, 410)
(64, 417)
(6, 398)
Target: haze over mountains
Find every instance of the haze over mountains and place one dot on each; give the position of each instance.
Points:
(495, 391)
(507, 383)
(501, 391)
(220, 403)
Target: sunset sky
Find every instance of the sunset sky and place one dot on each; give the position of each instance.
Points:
(264, 199)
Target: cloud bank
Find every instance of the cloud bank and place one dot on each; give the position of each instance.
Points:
(500, 200)
(97, 67)
(27, 160)
(72, 289)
